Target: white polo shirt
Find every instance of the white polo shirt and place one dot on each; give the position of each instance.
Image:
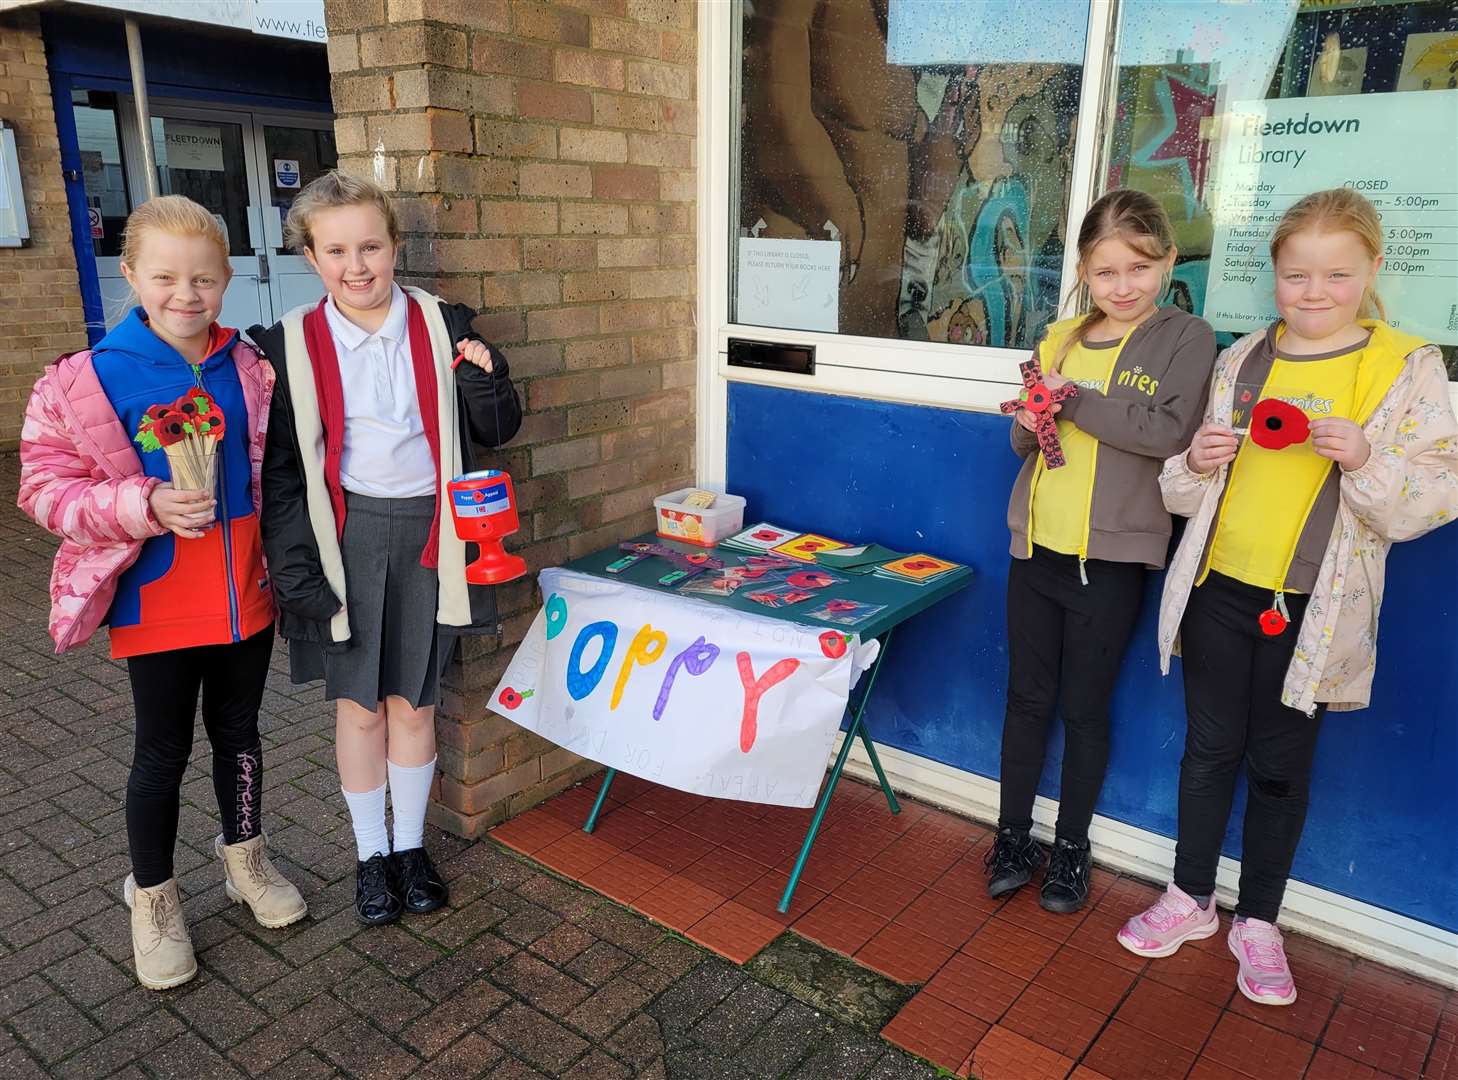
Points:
(386, 453)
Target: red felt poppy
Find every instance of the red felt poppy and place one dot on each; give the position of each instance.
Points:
(169, 427)
(156, 411)
(1276, 424)
(1273, 623)
(697, 558)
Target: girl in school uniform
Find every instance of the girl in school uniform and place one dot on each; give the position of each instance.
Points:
(167, 558)
(374, 416)
(1084, 533)
(1347, 445)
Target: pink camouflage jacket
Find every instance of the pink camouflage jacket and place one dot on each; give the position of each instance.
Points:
(81, 479)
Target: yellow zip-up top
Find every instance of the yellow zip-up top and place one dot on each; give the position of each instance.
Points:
(1140, 399)
(1271, 491)
(1059, 499)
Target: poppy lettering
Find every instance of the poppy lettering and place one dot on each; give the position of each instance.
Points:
(647, 648)
(754, 690)
(697, 659)
(581, 683)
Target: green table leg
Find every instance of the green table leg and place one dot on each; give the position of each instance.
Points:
(607, 782)
(856, 729)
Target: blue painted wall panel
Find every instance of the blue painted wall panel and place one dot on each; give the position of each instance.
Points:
(916, 478)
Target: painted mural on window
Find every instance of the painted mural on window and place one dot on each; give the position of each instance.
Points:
(904, 165)
(940, 188)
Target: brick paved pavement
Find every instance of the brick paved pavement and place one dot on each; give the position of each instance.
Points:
(524, 976)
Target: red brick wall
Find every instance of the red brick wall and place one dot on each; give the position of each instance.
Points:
(40, 300)
(542, 155)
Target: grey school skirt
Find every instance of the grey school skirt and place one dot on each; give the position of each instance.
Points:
(394, 647)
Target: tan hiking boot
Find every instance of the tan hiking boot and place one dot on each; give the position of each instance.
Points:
(160, 943)
(250, 878)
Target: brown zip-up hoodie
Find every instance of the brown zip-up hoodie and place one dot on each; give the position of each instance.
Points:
(1150, 409)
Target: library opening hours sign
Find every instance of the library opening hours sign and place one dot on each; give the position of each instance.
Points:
(1396, 149)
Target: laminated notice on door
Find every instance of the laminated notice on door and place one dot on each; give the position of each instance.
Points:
(794, 284)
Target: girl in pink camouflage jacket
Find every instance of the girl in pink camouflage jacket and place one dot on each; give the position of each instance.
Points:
(112, 462)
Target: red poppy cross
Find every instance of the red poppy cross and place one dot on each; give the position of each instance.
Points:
(1039, 400)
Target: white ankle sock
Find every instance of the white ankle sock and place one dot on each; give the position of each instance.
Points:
(409, 795)
(367, 814)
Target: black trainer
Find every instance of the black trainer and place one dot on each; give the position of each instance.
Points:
(1014, 858)
(375, 900)
(1065, 885)
(417, 881)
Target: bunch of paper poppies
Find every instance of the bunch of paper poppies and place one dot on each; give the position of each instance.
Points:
(188, 431)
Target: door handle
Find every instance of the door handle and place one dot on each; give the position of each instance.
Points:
(263, 268)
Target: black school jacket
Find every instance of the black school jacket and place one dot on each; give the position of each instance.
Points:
(300, 538)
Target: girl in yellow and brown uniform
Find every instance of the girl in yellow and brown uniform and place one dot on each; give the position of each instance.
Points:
(1274, 592)
(1083, 534)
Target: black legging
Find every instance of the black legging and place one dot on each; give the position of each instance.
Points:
(1065, 643)
(165, 688)
(1233, 679)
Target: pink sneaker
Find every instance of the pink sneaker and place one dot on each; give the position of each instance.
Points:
(1264, 977)
(1173, 920)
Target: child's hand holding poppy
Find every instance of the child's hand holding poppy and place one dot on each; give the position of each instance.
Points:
(1341, 440)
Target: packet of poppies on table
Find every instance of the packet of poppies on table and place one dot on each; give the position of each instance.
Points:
(845, 612)
(713, 583)
(778, 598)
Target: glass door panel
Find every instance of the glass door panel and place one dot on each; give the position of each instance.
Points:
(291, 156)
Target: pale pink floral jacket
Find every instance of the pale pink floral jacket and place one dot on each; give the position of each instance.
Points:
(81, 479)
(1408, 486)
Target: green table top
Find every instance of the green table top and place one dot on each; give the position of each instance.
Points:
(901, 600)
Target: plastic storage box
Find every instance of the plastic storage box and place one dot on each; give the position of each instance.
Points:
(693, 525)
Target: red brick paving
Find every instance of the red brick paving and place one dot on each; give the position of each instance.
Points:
(1007, 989)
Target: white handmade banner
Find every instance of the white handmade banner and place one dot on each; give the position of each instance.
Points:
(689, 694)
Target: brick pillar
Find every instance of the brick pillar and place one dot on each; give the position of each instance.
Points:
(542, 155)
(40, 313)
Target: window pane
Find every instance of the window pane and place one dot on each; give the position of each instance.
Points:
(204, 161)
(903, 166)
(101, 172)
(295, 156)
(1229, 112)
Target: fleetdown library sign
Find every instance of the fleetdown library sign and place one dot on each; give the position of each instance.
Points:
(1396, 149)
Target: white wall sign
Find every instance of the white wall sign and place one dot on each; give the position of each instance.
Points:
(285, 173)
(793, 284)
(299, 20)
(685, 693)
(1386, 146)
(194, 146)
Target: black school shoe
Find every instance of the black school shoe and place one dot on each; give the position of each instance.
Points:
(375, 900)
(1065, 885)
(1014, 858)
(417, 881)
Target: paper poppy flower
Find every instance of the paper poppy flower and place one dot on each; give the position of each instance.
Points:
(840, 605)
(510, 698)
(920, 564)
(832, 644)
(1275, 424)
(767, 534)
